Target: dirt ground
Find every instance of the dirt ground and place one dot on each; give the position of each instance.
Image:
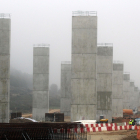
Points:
(113, 135)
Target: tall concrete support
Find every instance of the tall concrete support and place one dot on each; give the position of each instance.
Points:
(83, 78)
(139, 100)
(132, 106)
(117, 93)
(104, 80)
(65, 103)
(5, 37)
(40, 82)
(126, 91)
(136, 97)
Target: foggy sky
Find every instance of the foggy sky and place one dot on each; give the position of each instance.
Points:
(49, 21)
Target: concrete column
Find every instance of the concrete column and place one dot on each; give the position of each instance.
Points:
(117, 93)
(132, 106)
(83, 80)
(136, 97)
(40, 82)
(65, 88)
(126, 91)
(104, 81)
(5, 37)
(139, 100)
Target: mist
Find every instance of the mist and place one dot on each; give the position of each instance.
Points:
(49, 21)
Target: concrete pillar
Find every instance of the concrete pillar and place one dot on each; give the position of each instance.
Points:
(65, 88)
(83, 80)
(136, 97)
(40, 82)
(139, 101)
(117, 93)
(5, 37)
(104, 81)
(132, 106)
(126, 91)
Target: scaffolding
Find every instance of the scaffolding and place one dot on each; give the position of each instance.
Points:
(4, 15)
(117, 62)
(66, 62)
(84, 13)
(41, 45)
(104, 44)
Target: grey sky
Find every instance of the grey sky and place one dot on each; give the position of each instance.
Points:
(49, 21)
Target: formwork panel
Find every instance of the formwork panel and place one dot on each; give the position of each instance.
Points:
(104, 82)
(5, 24)
(40, 65)
(4, 66)
(118, 77)
(84, 41)
(84, 22)
(84, 66)
(65, 104)
(117, 91)
(126, 77)
(117, 106)
(104, 64)
(40, 82)
(105, 51)
(41, 51)
(104, 100)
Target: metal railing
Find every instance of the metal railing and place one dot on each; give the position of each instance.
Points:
(41, 45)
(104, 44)
(45, 131)
(117, 62)
(66, 62)
(126, 73)
(4, 15)
(84, 13)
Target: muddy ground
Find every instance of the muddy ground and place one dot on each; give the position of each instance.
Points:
(113, 135)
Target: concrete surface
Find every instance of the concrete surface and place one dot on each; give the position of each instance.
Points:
(65, 101)
(126, 91)
(5, 39)
(83, 67)
(104, 82)
(136, 97)
(117, 92)
(132, 105)
(40, 83)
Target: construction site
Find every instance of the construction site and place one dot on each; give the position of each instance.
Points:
(95, 90)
